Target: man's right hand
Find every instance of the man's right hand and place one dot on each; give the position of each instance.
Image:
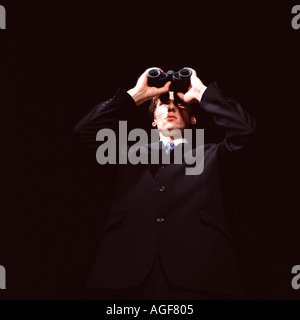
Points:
(142, 92)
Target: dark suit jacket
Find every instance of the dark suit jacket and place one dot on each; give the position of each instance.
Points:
(192, 239)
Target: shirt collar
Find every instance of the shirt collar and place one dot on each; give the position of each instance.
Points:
(176, 142)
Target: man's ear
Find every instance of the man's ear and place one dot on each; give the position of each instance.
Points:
(154, 123)
(193, 120)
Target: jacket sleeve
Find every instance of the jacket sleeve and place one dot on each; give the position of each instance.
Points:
(106, 114)
(238, 125)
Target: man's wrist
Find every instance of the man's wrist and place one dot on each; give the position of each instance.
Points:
(200, 93)
(136, 96)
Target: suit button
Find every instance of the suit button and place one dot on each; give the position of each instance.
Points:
(162, 188)
(160, 219)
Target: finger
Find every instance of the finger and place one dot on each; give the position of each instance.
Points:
(167, 85)
(195, 81)
(164, 89)
(180, 95)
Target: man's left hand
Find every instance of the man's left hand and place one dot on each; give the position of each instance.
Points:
(195, 91)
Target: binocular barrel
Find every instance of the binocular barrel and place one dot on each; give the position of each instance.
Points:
(157, 79)
(180, 79)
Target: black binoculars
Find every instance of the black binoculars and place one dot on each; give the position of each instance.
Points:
(180, 81)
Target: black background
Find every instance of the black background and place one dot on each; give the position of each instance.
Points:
(59, 59)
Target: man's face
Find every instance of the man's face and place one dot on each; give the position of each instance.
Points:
(171, 115)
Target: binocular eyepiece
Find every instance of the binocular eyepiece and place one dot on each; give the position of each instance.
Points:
(180, 81)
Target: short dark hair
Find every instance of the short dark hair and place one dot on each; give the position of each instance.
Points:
(152, 107)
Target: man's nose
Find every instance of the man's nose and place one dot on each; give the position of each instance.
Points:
(171, 106)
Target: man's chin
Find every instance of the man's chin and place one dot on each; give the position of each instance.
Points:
(173, 130)
(171, 126)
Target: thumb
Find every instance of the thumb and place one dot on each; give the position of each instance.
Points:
(181, 96)
(164, 89)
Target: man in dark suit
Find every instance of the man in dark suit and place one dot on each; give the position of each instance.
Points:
(166, 235)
